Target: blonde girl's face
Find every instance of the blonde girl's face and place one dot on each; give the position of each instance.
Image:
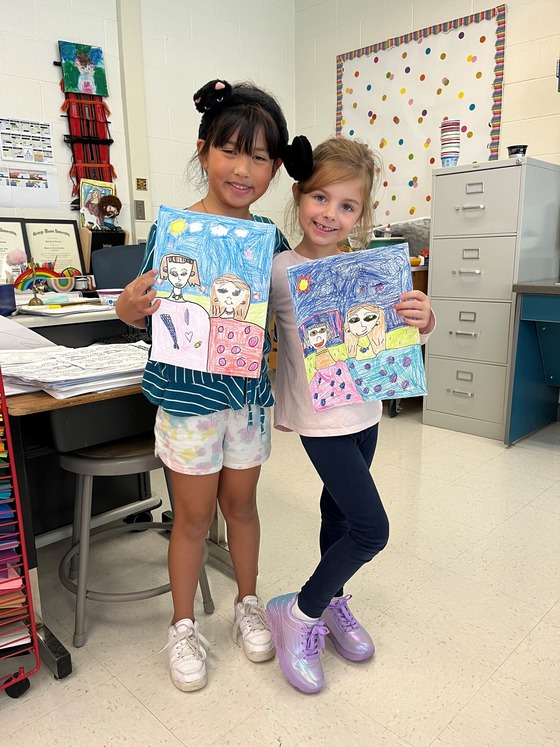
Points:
(362, 321)
(229, 295)
(329, 214)
(179, 273)
(236, 179)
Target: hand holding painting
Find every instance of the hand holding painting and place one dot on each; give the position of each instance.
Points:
(340, 441)
(213, 429)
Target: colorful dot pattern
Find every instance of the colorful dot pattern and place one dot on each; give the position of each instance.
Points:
(395, 99)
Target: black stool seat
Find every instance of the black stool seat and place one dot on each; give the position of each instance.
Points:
(124, 457)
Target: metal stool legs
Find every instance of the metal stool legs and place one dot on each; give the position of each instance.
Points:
(75, 562)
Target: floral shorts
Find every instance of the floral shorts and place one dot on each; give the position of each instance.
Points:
(203, 444)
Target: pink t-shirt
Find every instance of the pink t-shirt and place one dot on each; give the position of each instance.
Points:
(293, 410)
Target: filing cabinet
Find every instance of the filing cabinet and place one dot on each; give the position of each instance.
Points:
(493, 224)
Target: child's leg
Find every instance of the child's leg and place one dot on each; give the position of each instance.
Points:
(194, 498)
(246, 447)
(237, 496)
(343, 464)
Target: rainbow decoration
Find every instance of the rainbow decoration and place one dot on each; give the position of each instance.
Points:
(25, 280)
(61, 285)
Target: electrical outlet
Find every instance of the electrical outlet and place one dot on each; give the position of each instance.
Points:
(139, 210)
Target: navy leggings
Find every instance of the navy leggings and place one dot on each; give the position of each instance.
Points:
(354, 525)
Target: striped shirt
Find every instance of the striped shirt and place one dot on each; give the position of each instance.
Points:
(185, 392)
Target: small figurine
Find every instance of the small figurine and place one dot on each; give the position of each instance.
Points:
(108, 209)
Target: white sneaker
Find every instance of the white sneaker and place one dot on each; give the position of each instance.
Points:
(251, 626)
(187, 655)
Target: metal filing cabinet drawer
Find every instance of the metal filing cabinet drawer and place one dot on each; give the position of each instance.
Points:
(473, 267)
(471, 330)
(477, 202)
(466, 389)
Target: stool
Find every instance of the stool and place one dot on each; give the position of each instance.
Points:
(125, 457)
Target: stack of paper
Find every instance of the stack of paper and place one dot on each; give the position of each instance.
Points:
(65, 372)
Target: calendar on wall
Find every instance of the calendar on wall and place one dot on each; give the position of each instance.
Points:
(395, 95)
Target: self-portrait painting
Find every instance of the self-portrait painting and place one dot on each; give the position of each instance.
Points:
(213, 281)
(83, 70)
(355, 346)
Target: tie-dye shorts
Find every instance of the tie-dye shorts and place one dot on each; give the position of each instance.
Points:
(203, 444)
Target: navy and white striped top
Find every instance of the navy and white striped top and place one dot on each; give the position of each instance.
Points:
(184, 392)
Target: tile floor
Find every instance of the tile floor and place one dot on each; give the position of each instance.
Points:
(464, 606)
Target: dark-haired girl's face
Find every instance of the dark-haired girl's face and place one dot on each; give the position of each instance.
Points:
(236, 179)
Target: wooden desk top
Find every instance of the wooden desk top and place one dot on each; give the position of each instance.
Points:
(28, 404)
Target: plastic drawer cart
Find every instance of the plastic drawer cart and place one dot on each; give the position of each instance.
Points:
(19, 653)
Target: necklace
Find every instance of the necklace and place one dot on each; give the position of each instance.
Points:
(203, 206)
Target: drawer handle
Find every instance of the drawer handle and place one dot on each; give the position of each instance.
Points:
(466, 334)
(470, 207)
(470, 272)
(462, 394)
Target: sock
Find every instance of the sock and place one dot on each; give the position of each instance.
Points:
(299, 615)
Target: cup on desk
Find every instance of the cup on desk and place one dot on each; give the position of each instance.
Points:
(7, 299)
(81, 283)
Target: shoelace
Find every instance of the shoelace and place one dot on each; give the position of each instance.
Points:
(254, 616)
(342, 613)
(315, 639)
(191, 639)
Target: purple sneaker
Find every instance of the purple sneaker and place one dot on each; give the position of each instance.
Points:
(350, 640)
(297, 644)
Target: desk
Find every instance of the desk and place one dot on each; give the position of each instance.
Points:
(535, 379)
(75, 330)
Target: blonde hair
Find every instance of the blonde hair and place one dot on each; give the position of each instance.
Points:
(376, 336)
(339, 159)
(216, 308)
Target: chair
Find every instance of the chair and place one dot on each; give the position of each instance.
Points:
(116, 266)
(124, 457)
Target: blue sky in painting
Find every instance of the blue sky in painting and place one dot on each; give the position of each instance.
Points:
(377, 276)
(220, 246)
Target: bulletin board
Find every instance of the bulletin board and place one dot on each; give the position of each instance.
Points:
(395, 94)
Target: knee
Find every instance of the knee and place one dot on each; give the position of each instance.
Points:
(194, 527)
(373, 539)
(241, 512)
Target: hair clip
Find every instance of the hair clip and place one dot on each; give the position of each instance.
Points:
(298, 158)
(212, 95)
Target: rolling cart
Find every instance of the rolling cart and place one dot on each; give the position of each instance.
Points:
(19, 649)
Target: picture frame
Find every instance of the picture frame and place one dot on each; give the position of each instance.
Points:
(91, 191)
(12, 236)
(56, 242)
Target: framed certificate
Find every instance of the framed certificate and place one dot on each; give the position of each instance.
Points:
(12, 236)
(56, 242)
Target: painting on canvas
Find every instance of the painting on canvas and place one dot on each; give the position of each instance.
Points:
(91, 191)
(213, 280)
(355, 346)
(83, 70)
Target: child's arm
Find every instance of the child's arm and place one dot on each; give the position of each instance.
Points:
(138, 300)
(415, 309)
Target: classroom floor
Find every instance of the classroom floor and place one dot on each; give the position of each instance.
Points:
(464, 607)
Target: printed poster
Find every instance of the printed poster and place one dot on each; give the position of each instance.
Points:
(26, 141)
(355, 346)
(213, 280)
